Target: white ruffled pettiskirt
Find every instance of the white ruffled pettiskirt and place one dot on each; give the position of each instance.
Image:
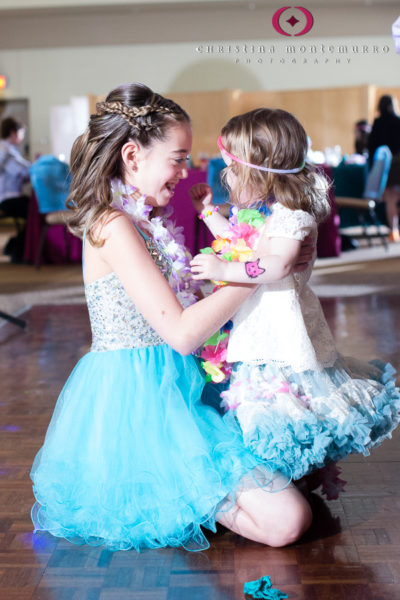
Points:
(302, 421)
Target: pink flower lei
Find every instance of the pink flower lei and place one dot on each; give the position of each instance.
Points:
(168, 237)
(237, 245)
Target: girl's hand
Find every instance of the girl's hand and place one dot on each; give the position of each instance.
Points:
(306, 254)
(201, 195)
(208, 266)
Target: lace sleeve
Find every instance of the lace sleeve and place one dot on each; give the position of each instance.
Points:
(295, 224)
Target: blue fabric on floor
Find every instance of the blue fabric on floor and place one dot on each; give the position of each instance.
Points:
(262, 588)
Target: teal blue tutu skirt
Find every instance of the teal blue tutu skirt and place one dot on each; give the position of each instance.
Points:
(304, 421)
(133, 459)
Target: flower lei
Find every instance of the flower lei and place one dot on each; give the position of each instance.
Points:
(237, 245)
(165, 233)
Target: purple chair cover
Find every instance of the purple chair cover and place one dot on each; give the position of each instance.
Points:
(54, 250)
(196, 233)
(329, 241)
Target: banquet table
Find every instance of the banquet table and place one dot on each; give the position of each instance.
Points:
(349, 181)
(329, 242)
(54, 251)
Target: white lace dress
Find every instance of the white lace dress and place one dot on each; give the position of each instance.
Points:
(299, 403)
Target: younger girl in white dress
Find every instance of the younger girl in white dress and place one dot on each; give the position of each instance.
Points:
(299, 403)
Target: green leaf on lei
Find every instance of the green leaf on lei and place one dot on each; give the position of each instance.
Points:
(251, 216)
(215, 338)
(227, 256)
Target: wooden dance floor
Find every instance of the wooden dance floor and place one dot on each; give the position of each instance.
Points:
(352, 551)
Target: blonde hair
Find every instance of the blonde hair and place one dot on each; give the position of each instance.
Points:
(130, 112)
(274, 138)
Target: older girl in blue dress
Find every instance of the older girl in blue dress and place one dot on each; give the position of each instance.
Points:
(132, 458)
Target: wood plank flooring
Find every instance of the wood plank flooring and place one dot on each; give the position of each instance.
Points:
(352, 551)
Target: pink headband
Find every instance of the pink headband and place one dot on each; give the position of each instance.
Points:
(242, 162)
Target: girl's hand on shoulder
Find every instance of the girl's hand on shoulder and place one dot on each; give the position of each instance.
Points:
(208, 266)
(201, 195)
(306, 254)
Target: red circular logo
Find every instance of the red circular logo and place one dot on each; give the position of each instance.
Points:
(292, 21)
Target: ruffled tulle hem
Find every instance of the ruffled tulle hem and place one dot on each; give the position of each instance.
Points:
(306, 421)
(144, 536)
(132, 458)
(163, 523)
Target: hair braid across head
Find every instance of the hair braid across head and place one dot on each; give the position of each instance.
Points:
(132, 113)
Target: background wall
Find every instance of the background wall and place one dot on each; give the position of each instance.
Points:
(327, 114)
(49, 57)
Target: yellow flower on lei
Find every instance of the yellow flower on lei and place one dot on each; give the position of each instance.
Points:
(241, 251)
(213, 371)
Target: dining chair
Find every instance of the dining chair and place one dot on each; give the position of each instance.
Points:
(220, 198)
(50, 180)
(15, 220)
(214, 169)
(369, 226)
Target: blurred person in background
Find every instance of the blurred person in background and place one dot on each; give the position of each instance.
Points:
(14, 173)
(386, 132)
(362, 130)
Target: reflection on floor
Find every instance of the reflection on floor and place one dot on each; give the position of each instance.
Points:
(351, 552)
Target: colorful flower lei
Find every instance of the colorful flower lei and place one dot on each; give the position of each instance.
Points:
(237, 245)
(165, 233)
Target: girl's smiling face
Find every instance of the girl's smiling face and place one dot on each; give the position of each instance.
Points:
(158, 168)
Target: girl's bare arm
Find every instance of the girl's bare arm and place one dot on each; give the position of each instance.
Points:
(202, 195)
(185, 330)
(282, 255)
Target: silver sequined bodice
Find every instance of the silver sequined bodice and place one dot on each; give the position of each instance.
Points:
(115, 321)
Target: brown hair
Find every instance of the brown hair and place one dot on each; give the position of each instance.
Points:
(274, 138)
(130, 112)
(386, 105)
(10, 125)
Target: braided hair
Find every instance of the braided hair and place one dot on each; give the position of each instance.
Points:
(132, 114)
(129, 112)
